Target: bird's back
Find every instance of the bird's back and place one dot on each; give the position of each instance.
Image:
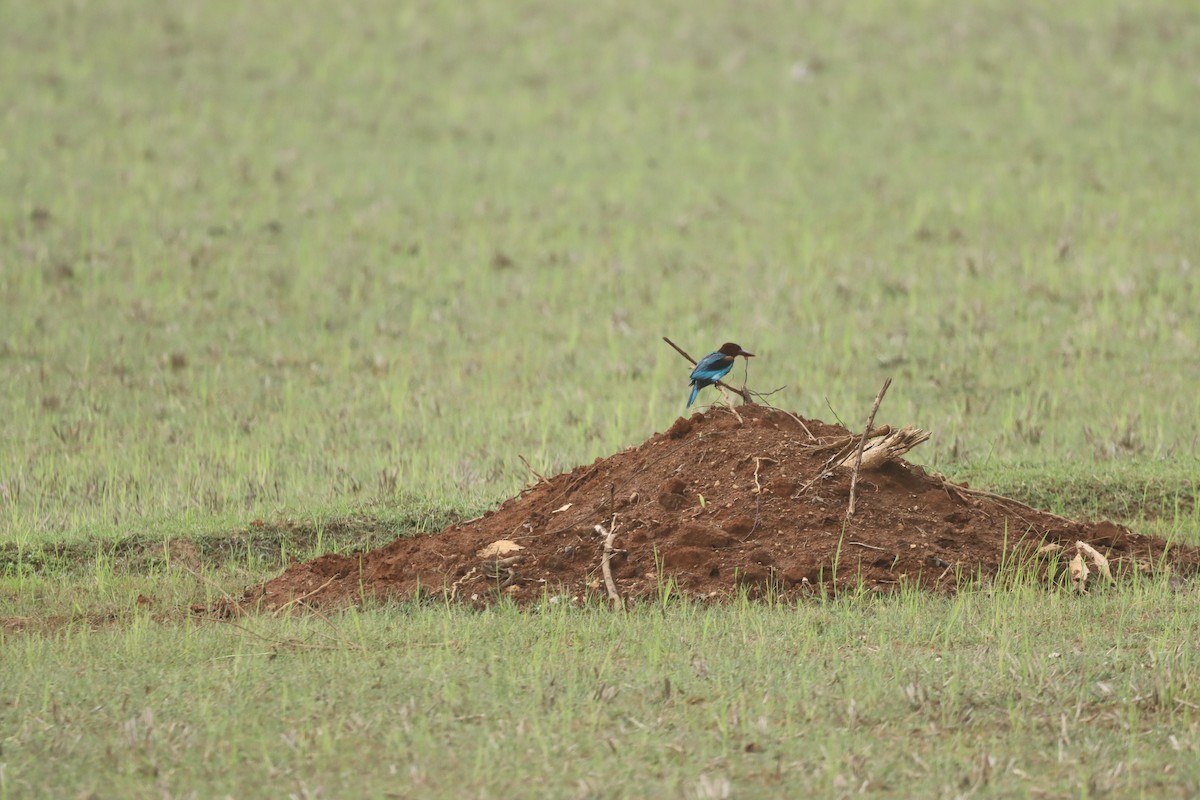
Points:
(712, 367)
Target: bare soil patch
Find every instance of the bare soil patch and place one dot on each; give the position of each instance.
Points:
(717, 506)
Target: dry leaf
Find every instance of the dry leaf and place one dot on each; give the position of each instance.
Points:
(560, 510)
(499, 548)
(1047, 549)
(1079, 573)
(1098, 561)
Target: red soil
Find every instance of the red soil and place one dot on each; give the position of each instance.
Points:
(758, 528)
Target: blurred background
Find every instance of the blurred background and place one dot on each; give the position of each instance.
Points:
(262, 259)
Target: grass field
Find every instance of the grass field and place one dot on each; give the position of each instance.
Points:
(283, 279)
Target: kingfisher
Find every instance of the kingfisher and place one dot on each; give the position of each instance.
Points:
(715, 366)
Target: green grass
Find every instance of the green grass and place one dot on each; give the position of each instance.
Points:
(1013, 694)
(279, 280)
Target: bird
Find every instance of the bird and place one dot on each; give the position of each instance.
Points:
(715, 366)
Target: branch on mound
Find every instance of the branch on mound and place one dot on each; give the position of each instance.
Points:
(999, 498)
(858, 454)
(883, 444)
(888, 445)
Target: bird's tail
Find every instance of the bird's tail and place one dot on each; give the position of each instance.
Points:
(695, 391)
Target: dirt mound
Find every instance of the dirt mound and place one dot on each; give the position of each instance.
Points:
(717, 506)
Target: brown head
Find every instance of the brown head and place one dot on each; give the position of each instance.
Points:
(731, 349)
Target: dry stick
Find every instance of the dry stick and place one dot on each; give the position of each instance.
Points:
(836, 415)
(742, 393)
(207, 581)
(605, 566)
(337, 634)
(729, 405)
(583, 476)
(846, 446)
(529, 466)
(849, 445)
(1001, 498)
(890, 447)
(862, 443)
(454, 586)
(757, 493)
(843, 444)
(296, 643)
(302, 597)
(758, 463)
(761, 395)
(799, 421)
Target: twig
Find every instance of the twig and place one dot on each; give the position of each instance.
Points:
(680, 350)
(846, 445)
(799, 421)
(529, 466)
(863, 443)
(757, 511)
(1002, 499)
(954, 490)
(337, 634)
(758, 463)
(583, 476)
(836, 416)
(742, 393)
(208, 582)
(869, 546)
(454, 586)
(282, 643)
(729, 405)
(605, 566)
(302, 597)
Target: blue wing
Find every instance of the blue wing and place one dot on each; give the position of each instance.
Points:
(708, 371)
(711, 369)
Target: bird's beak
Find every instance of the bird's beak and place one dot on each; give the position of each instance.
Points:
(747, 355)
